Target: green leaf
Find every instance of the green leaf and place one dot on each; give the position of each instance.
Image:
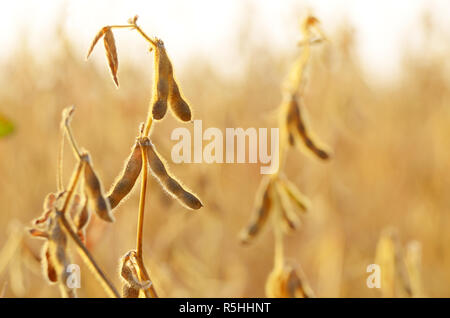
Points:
(6, 126)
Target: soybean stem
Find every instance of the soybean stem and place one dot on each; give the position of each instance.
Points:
(150, 291)
(59, 173)
(279, 250)
(109, 287)
(73, 185)
(72, 140)
(137, 28)
(142, 203)
(88, 258)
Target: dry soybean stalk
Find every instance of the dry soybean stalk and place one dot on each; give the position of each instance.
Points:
(278, 197)
(55, 225)
(165, 92)
(150, 292)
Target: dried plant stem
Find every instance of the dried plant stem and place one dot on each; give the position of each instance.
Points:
(149, 122)
(145, 36)
(75, 148)
(279, 245)
(137, 28)
(144, 174)
(149, 292)
(84, 252)
(72, 186)
(89, 260)
(59, 173)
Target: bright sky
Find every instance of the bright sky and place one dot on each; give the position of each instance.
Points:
(209, 27)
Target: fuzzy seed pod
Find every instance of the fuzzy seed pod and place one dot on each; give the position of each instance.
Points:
(47, 266)
(57, 247)
(161, 82)
(110, 50)
(178, 105)
(81, 220)
(111, 54)
(264, 204)
(128, 272)
(169, 184)
(126, 181)
(296, 127)
(58, 256)
(94, 191)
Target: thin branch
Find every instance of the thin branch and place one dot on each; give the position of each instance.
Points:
(279, 244)
(72, 140)
(149, 292)
(73, 185)
(89, 260)
(139, 238)
(137, 28)
(59, 172)
(87, 257)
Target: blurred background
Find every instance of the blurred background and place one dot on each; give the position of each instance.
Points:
(378, 95)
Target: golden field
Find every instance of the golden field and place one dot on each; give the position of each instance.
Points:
(389, 168)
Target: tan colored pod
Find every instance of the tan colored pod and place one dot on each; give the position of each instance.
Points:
(296, 127)
(81, 220)
(111, 54)
(94, 191)
(161, 82)
(47, 265)
(127, 179)
(264, 203)
(58, 257)
(169, 184)
(178, 105)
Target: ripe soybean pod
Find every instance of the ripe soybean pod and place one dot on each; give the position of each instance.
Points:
(161, 81)
(94, 190)
(125, 182)
(170, 184)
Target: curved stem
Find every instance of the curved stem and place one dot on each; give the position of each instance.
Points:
(89, 260)
(137, 28)
(84, 252)
(75, 148)
(145, 36)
